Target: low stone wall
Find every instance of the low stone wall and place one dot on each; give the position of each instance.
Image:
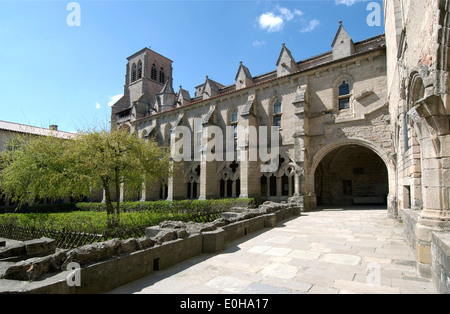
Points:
(107, 265)
(440, 266)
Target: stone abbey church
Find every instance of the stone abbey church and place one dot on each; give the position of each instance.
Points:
(364, 123)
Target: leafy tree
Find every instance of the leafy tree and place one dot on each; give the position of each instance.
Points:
(57, 168)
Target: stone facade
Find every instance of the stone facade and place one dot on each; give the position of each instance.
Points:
(323, 104)
(367, 122)
(417, 90)
(417, 41)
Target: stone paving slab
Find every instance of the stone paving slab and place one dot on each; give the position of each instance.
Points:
(322, 252)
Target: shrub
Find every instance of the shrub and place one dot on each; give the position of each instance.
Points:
(135, 216)
(217, 205)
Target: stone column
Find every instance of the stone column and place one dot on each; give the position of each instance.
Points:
(176, 184)
(279, 186)
(433, 126)
(247, 155)
(290, 186)
(208, 183)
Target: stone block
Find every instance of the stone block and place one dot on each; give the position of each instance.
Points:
(270, 220)
(42, 246)
(14, 250)
(441, 262)
(431, 177)
(34, 268)
(128, 245)
(432, 198)
(424, 253)
(229, 215)
(161, 234)
(145, 242)
(296, 211)
(94, 252)
(213, 241)
(445, 146)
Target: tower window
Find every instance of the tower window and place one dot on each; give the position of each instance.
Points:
(344, 96)
(139, 70)
(133, 72)
(162, 76)
(153, 72)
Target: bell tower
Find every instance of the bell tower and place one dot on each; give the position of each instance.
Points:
(147, 75)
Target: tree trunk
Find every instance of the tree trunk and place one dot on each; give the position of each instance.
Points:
(117, 213)
(109, 205)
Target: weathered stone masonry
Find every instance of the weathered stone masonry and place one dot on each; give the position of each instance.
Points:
(329, 101)
(384, 99)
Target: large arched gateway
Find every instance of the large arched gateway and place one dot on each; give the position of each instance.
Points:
(352, 172)
(351, 175)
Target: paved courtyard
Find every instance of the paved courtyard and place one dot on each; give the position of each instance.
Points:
(322, 252)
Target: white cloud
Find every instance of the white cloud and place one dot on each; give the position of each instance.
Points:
(114, 99)
(311, 26)
(271, 22)
(288, 14)
(274, 22)
(97, 105)
(257, 43)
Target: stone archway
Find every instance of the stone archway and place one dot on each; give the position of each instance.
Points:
(351, 172)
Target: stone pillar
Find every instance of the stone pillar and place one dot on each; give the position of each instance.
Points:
(250, 184)
(433, 126)
(248, 160)
(279, 186)
(208, 184)
(297, 183)
(290, 185)
(176, 184)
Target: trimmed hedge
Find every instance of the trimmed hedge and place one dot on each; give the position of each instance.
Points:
(218, 204)
(173, 206)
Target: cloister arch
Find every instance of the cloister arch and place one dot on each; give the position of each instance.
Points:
(377, 157)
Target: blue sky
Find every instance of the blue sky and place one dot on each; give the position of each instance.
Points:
(53, 73)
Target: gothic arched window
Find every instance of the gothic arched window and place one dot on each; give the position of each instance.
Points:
(162, 76)
(277, 113)
(139, 70)
(153, 72)
(234, 122)
(344, 95)
(133, 72)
